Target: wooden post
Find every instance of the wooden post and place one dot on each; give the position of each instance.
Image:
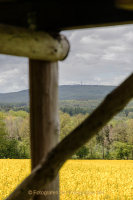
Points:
(44, 116)
(50, 165)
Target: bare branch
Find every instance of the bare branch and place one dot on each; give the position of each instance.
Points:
(47, 170)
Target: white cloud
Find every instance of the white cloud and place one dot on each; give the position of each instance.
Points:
(109, 56)
(129, 36)
(97, 78)
(85, 55)
(98, 56)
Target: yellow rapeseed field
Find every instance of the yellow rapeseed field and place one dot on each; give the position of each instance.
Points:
(79, 179)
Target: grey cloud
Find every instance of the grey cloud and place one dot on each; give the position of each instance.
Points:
(13, 74)
(100, 56)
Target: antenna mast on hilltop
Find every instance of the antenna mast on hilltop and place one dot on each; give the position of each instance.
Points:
(81, 82)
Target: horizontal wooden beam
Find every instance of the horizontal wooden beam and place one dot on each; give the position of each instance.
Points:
(48, 168)
(55, 15)
(33, 44)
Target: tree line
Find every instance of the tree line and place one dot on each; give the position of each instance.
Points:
(126, 112)
(114, 141)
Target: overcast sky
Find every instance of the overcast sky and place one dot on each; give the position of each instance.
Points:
(98, 56)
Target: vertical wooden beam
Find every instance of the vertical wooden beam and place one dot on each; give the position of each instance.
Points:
(44, 116)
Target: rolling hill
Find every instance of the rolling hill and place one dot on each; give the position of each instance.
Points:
(66, 92)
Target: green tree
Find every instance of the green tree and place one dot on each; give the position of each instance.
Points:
(130, 134)
(11, 150)
(24, 133)
(82, 152)
(130, 115)
(13, 125)
(3, 134)
(120, 130)
(127, 150)
(122, 150)
(90, 145)
(100, 137)
(19, 113)
(65, 124)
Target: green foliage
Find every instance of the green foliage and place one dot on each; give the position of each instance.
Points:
(127, 110)
(20, 113)
(108, 156)
(15, 150)
(74, 111)
(122, 150)
(14, 106)
(10, 150)
(79, 103)
(74, 157)
(24, 149)
(82, 152)
(74, 107)
(24, 108)
(127, 150)
(130, 115)
(66, 125)
(3, 133)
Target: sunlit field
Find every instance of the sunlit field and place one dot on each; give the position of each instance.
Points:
(79, 179)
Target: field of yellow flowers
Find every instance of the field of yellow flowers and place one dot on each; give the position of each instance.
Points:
(79, 179)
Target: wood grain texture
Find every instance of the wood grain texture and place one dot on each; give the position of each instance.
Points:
(50, 165)
(33, 44)
(44, 116)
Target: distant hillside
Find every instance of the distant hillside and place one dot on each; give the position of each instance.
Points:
(84, 92)
(66, 92)
(15, 97)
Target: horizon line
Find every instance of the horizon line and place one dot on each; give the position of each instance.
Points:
(63, 85)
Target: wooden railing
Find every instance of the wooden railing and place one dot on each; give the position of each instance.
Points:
(48, 168)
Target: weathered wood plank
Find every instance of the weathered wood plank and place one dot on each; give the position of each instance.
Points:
(44, 116)
(48, 168)
(33, 44)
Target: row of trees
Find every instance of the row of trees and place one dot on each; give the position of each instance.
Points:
(8, 108)
(72, 109)
(14, 135)
(75, 111)
(127, 112)
(114, 141)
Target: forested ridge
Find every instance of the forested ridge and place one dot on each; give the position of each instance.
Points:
(114, 141)
(71, 107)
(66, 92)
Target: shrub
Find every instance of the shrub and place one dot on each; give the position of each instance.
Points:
(82, 152)
(74, 157)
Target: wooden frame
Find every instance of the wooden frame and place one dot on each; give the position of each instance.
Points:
(47, 170)
(44, 48)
